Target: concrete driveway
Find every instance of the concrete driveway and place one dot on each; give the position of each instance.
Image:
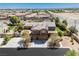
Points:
(14, 43)
(41, 43)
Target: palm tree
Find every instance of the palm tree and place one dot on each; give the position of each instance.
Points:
(26, 36)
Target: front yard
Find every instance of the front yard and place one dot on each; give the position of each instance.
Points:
(67, 44)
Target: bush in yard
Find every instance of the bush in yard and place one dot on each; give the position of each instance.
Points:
(7, 38)
(71, 53)
(62, 27)
(60, 33)
(25, 34)
(53, 42)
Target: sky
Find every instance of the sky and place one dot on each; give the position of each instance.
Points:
(39, 5)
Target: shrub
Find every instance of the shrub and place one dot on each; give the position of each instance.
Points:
(71, 53)
(62, 27)
(25, 34)
(60, 33)
(20, 26)
(7, 38)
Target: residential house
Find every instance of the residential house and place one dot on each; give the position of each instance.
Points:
(41, 30)
(30, 16)
(21, 15)
(3, 17)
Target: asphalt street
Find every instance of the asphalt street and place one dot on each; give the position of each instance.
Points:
(33, 52)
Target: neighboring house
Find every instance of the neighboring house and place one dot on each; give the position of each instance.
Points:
(9, 16)
(28, 25)
(43, 15)
(21, 15)
(30, 16)
(3, 28)
(39, 16)
(3, 17)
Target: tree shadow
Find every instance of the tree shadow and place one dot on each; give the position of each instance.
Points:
(22, 48)
(22, 45)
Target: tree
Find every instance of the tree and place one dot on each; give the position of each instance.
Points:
(73, 30)
(26, 36)
(14, 20)
(53, 41)
(57, 20)
(60, 33)
(62, 27)
(65, 22)
(20, 26)
(71, 53)
(52, 19)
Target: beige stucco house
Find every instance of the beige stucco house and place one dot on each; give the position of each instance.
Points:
(41, 30)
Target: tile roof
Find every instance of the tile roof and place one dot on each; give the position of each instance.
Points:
(40, 25)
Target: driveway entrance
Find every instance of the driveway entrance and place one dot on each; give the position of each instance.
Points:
(39, 43)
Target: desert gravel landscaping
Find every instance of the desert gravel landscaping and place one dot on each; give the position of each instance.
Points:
(67, 44)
